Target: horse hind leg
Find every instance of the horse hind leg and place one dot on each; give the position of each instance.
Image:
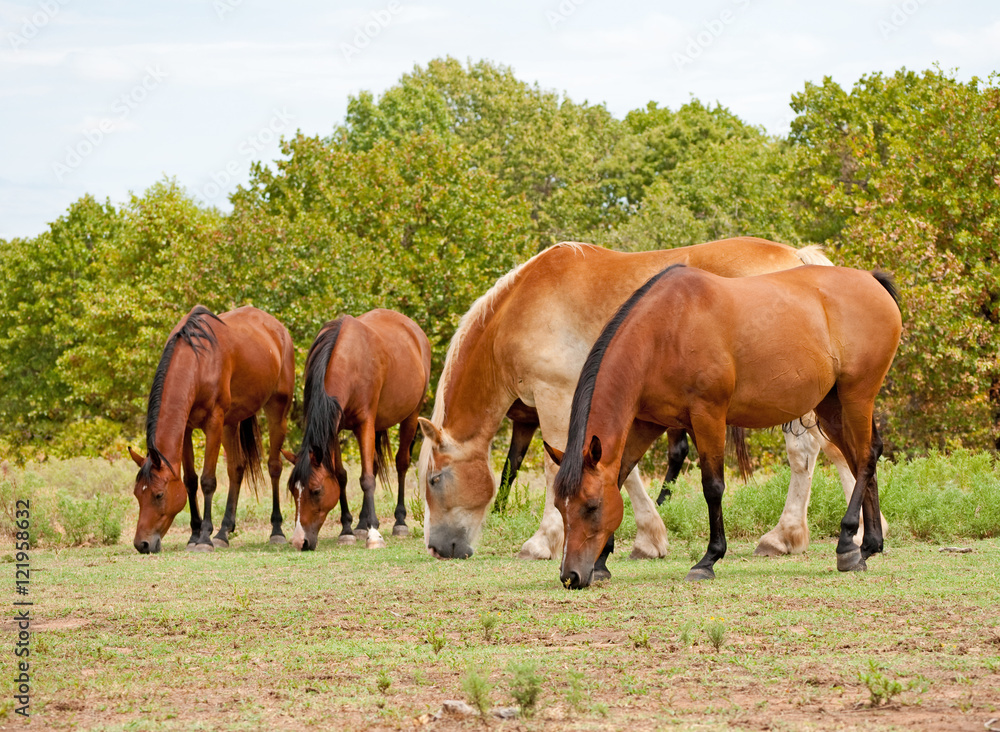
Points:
(676, 453)
(277, 427)
(235, 469)
(847, 482)
(791, 534)
(407, 431)
(651, 534)
(851, 429)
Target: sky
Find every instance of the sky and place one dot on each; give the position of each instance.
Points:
(106, 97)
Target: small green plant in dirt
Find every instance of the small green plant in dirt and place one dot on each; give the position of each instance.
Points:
(242, 598)
(684, 633)
(576, 691)
(476, 686)
(383, 681)
(882, 689)
(436, 640)
(488, 622)
(640, 639)
(525, 686)
(715, 629)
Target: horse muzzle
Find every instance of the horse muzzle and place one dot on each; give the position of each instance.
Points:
(449, 543)
(576, 578)
(149, 545)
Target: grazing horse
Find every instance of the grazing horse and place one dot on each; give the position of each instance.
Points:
(363, 374)
(752, 352)
(519, 351)
(215, 374)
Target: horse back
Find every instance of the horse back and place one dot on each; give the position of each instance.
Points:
(259, 358)
(383, 359)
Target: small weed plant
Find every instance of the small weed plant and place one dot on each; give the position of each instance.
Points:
(477, 689)
(715, 629)
(436, 640)
(488, 622)
(525, 686)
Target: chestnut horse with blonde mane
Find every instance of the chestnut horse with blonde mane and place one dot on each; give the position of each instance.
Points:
(363, 374)
(752, 352)
(519, 351)
(215, 374)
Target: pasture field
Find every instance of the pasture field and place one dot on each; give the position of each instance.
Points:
(263, 637)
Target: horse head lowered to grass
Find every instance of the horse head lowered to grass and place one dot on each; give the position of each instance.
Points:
(752, 352)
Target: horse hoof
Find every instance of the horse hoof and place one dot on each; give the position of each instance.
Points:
(192, 545)
(220, 543)
(375, 540)
(279, 539)
(600, 575)
(400, 530)
(700, 573)
(851, 561)
(204, 548)
(767, 550)
(346, 539)
(361, 534)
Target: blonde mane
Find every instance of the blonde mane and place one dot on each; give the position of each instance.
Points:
(481, 309)
(813, 254)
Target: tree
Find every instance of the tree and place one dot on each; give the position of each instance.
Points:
(903, 174)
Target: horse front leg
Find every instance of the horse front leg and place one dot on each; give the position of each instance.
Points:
(346, 534)
(791, 535)
(191, 484)
(277, 427)
(368, 521)
(213, 443)
(710, 435)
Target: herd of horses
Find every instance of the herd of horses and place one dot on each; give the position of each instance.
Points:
(602, 351)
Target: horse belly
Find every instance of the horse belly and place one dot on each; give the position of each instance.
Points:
(784, 393)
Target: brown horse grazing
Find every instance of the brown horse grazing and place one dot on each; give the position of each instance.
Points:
(519, 351)
(753, 352)
(215, 374)
(363, 374)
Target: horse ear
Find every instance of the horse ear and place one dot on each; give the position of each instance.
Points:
(592, 455)
(289, 456)
(431, 432)
(136, 457)
(555, 455)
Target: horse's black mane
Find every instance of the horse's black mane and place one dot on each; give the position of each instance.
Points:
(196, 332)
(571, 469)
(322, 412)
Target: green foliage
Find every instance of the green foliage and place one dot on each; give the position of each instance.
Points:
(716, 632)
(72, 502)
(436, 640)
(525, 686)
(488, 622)
(477, 688)
(901, 174)
(539, 146)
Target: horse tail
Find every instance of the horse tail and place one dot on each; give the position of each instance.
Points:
(382, 456)
(813, 254)
(737, 438)
(251, 449)
(886, 281)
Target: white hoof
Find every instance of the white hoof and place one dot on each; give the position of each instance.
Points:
(535, 548)
(375, 540)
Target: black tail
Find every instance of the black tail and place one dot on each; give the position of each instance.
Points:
(737, 439)
(886, 281)
(382, 455)
(250, 446)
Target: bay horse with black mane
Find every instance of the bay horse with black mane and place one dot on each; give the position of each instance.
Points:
(215, 374)
(753, 352)
(518, 352)
(364, 374)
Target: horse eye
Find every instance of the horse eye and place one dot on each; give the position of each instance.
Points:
(435, 480)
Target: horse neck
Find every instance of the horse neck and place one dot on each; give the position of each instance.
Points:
(176, 403)
(475, 397)
(615, 403)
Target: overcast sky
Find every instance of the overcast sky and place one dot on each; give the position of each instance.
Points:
(106, 97)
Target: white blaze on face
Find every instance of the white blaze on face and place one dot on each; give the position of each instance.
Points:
(299, 535)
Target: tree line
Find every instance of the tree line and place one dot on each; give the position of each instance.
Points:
(428, 193)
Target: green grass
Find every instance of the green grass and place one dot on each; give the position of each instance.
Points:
(259, 636)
